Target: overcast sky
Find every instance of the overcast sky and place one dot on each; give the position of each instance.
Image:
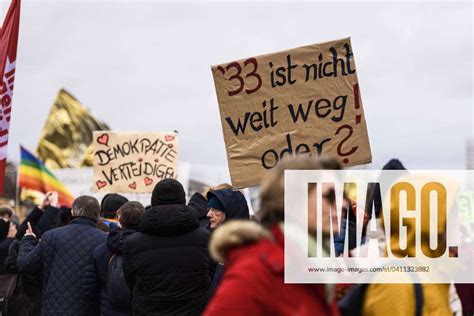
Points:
(146, 66)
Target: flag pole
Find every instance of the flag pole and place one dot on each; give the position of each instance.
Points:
(17, 194)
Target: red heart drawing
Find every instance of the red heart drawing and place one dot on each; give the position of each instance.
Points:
(148, 181)
(100, 184)
(103, 139)
(133, 185)
(169, 138)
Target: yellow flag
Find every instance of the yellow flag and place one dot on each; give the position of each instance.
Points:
(66, 138)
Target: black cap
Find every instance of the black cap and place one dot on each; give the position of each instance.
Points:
(111, 203)
(168, 191)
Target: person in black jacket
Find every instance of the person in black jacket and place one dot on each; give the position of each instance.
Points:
(26, 299)
(199, 203)
(62, 257)
(5, 240)
(166, 264)
(129, 216)
(223, 206)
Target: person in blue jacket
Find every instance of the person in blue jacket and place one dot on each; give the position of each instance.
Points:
(61, 257)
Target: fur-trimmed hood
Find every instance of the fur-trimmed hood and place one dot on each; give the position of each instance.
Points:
(234, 234)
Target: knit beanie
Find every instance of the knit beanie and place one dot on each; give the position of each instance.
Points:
(168, 191)
(111, 203)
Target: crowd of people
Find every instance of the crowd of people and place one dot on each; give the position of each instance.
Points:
(204, 257)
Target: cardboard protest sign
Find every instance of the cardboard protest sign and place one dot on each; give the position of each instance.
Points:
(133, 161)
(79, 181)
(300, 101)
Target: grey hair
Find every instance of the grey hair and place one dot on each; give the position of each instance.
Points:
(86, 206)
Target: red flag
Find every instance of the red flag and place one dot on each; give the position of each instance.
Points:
(8, 45)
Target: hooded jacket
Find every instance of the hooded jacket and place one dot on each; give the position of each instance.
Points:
(166, 264)
(379, 298)
(199, 203)
(235, 206)
(234, 202)
(253, 281)
(96, 273)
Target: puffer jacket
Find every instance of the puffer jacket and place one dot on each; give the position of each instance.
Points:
(166, 264)
(95, 278)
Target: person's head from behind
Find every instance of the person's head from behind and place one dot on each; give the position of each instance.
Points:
(130, 214)
(168, 191)
(6, 212)
(394, 164)
(272, 192)
(110, 205)
(86, 206)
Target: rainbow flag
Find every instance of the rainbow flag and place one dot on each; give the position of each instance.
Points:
(34, 175)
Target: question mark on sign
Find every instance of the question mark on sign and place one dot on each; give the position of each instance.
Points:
(340, 150)
(358, 119)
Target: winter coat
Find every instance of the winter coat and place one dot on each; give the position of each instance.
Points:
(33, 218)
(95, 277)
(199, 203)
(379, 298)
(166, 264)
(62, 256)
(26, 299)
(253, 281)
(466, 295)
(236, 207)
(41, 221)
(4, 247)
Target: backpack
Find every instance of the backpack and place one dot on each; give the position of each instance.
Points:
(117, 288)
(351, 304)
(8, 284)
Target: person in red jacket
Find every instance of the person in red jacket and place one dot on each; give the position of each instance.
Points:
(253, 280)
